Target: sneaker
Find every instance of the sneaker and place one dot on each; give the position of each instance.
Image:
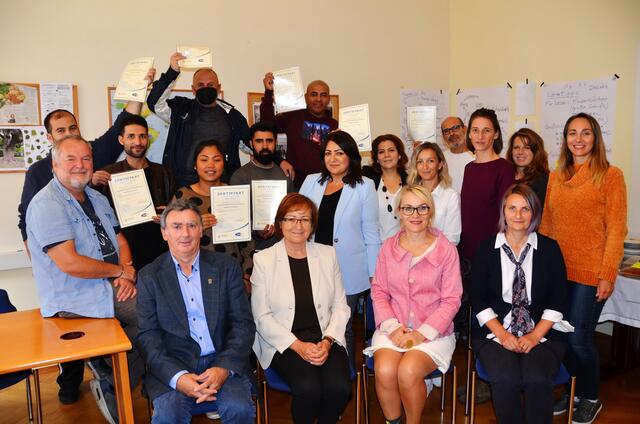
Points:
(213, 415)
(437, 382)
(67, 397)
(98, 368)
(429, 384)
(561, 405)
(587, 412)
(106, 400)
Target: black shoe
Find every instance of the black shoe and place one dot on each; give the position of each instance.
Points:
(67, 397)
(587, 412)
(562, 404)
(483, 393)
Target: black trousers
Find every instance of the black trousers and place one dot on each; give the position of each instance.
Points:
(511, 374)
(318, 392)
(71, 375)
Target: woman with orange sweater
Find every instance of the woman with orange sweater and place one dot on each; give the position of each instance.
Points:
(586, 212)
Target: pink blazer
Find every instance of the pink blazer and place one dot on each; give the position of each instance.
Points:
(427, 293)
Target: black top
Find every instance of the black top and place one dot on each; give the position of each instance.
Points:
(370, 172)
(548, 284)
(539, 185)
(326, 216)
(107, 248)
(305, 321)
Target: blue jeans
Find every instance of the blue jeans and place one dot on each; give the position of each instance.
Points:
(583, 359)
(233, 401)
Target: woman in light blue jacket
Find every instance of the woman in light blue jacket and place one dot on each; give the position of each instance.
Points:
(348, 217)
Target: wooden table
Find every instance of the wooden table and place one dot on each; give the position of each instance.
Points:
(28, 341)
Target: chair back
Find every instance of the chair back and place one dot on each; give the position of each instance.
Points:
(5, 303)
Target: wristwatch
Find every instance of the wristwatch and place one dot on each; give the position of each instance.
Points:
(330, 339)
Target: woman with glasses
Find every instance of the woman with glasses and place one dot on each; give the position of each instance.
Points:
(586, 212)
(348, 217)
(416, 293)
(519, 298)
(526, 152)
(429, 168)
(389, 175)
(301, 312)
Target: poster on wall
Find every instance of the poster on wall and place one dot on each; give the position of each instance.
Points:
(22, 146)
(496, 98)
(409, 98)
(559, 101)
(19, 104)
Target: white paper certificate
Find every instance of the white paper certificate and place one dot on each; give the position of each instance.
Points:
(355, 121)
(131, 197)
(287, 90)
(421, 123)
(230, 205)
(266, 196)
(196, 57)
(132, 86)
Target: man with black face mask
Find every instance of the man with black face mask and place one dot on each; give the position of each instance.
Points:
(194, 120)
(262, 167)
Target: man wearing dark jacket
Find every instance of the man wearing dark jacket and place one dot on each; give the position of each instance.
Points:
(194, 120)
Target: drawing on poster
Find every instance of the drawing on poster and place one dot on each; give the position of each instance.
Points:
(559, 101)
(496, 98)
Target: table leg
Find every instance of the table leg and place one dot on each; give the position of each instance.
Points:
(122, 386)
(36, 384)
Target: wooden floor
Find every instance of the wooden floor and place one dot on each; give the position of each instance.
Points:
(620, 396)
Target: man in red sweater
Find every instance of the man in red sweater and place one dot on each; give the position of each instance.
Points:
(306, 129)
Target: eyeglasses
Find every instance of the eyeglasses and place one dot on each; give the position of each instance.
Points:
(409, 210)
(291, 221)
(446, 131)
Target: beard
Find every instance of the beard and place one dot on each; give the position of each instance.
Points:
(79, 182)
(265, 156)
(135, 154)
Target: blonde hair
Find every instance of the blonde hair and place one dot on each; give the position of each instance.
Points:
(598, 163)
(420, 192)
(443, 173)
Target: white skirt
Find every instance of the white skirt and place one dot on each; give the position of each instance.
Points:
(439, 350)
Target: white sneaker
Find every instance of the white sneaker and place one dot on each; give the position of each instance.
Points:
(213, 415)
(437, 382)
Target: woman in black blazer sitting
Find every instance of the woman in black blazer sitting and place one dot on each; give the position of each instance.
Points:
(518, 295)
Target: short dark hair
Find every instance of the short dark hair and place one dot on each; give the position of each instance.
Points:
(291, 201)
(348, 145)
(263, 126)
(178, 205)
(207, 143)
(532, 199)
(56, 114)
(402, 161)
(133, 120)
(489, 114)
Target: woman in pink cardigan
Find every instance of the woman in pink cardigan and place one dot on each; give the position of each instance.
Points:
(416, 293)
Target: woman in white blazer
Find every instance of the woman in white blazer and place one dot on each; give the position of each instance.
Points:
(347, 217)
(300, 310)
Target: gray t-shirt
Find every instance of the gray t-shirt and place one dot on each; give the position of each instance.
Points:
(211, 124)
(249, 172)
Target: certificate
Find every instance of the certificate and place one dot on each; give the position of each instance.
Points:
(287, 90)
(266, 196)
(132, 86)
(355, 121)
(421, 123)
(196, 57)
(230, 205)
(131, 197)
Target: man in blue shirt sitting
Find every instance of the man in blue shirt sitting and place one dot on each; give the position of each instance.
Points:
(81, 262)
(196, 328)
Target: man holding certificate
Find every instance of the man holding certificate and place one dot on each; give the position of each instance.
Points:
(268, 183)
(306, 129)
(81, 260)
(145, 238)
(192, 121)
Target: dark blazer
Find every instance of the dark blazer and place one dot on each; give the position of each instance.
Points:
(370, 172)
(164, 339)
(548, 288)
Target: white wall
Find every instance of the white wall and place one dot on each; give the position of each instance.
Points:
(366, 50)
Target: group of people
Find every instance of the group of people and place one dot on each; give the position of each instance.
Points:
(422, 235)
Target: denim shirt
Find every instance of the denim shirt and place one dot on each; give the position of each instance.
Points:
(55, 216)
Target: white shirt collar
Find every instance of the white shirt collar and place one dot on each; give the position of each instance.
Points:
(502, 239)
